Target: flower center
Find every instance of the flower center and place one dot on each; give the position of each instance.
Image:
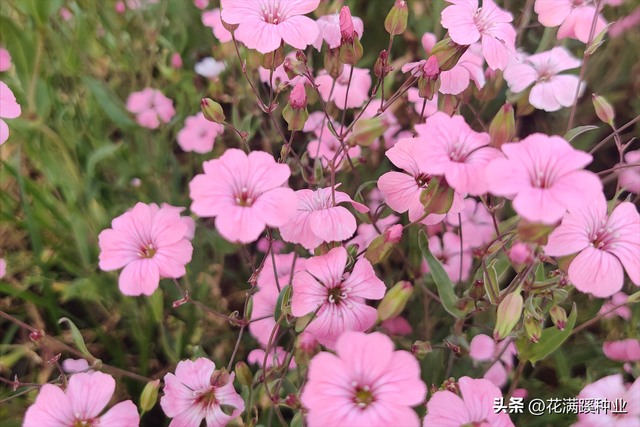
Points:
(83, 423)
(482, 21)
(244, 198)
(272, 13)
(363, 395)
(206, 398)
(603, 238)
(459, 152)
(423, 180)
(335, 295)
(148, 251)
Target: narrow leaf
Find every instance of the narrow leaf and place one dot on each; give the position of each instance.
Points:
(569, 136)
(77, 336)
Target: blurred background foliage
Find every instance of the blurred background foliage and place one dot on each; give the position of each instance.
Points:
(75, 157)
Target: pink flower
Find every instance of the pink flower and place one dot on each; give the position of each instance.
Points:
(367, 232)
(340, 300)
(9, 109)
(329, 30)
(624, 351)
(5, 60)
(397, 326)
(483, 349)
(616, 299)
(448, 146)
(544, 177)
(612, 389)
(65, 13)
(320, 219)
(198, 134)
(187, 220)
(276, 246)
(402, 191)
(474, 407)
(629, 22)
(264, 301)
(176, 60)
(574, 17)
(265, 24)
(212, 19)
(3, 268)
(358, 91)
(430, 108)
(366, 384)
(245, 193)
(198, 392)
(550, 91)
(477, 224)
(71, 366)
(467, 23)
(277, 357)
(149, 105)
(448, 253)
(201, 4)
(86, 397)
(326, 147)
(520, 253)
(605, 244)
(150, 243)
(120, 7)
(280, 76)
(630, 177)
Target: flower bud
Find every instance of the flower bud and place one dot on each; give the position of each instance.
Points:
(351, 52)
(295, 112)
(533, 232)
(332, 63)
(294, 68)
(604, 110)
(212, 110)
(520, 254)
(533, 328)
(507, 315)
(381, 68)
(428, 83)
(477, 290)
(243, 373)
(558, 316)
(395, 300)
(272, 60)
(368, 130)
(503, 126)
(396, 21)
(176, 60)
(421, 349)
(437, 197)
(220, 378)
(120, 7)
(149, 395)
(493, 85)
(448, 53)
(306, 347)
(380, 247)
(346, 23)
(229, 27)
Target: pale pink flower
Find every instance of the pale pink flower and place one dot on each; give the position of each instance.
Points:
(5, 59)
(388, 116)
(520, 253)
(367, 232)
(448, 146)
(198, 134)
(474, 407)
(120, 7)
(150, 243)
(71, 366)
(625, 24)
(616, 299)
(201, 4)
(467, 23)
(329, 30)
(244, 193)
(477, 224)
(605, 244)
(211, 19)
(9, 109)
(319, 218)
(3, 268)
(150, 106)
(264, 24)
(544, 176)
(358, 91)
(314, 122)
(402, 190)
(575, 17)
(430, 107)
(176, 60)
(187, 220)
(326, 147)
(624, 351)
(396, 326)
(280, 76)
(630, 177)
(366, 384)
(612, 389)
(65, 13)
(85, 398)
(277, 357)
(551, 91)
(447, 251)
(198, 392)
(276, 246)
(264, 301)
(338, 299)
(209, 68)
(483, 349)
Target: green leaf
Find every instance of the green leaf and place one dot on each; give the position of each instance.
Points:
(597, 41)
(440, 277)
(283, 302)
(77, 336)
(577, 131)
(110, 103)
(99, 155)
(551, 339)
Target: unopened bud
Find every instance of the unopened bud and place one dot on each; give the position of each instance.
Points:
(450, 385)
(533, 232)
(272, 60)
(306, 347)
(37, 336)
(212, 110)
(332, 63)
(503, 126)
(149, 395)
(368, 130)
(395, 300)
(477, 290)
(428, 83)
(220, 378)
(604, 110)
(300, 56)
(532, 328)
(295, 112)
(437, 198)
(558, 316)
(380, 69)
(294, 68)
(350, 49)
(176, 60)
(346, 23)
(448, 53)
(421, 349)
(520, 254)
(353, 250)
(243, 373)
(493, 85)
(380, 247)
(396, 21)
(508, 314)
